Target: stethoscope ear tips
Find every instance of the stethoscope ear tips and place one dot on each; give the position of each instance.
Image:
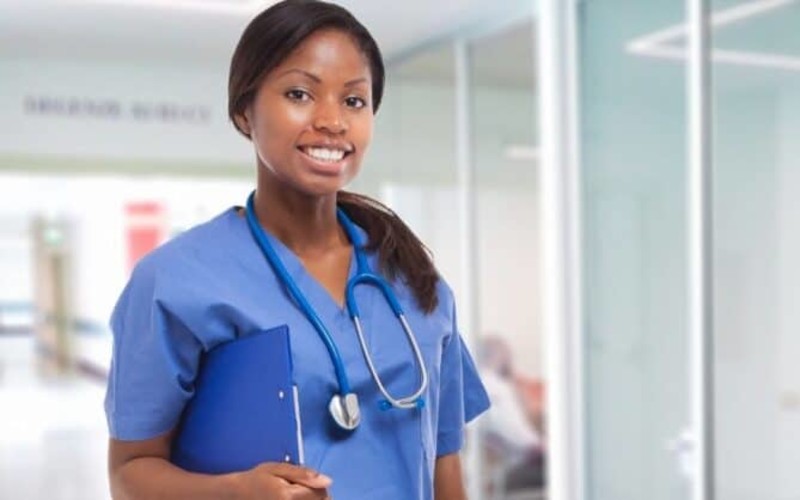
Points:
(345, 411)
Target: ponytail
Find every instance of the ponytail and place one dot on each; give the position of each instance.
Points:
(400, 253)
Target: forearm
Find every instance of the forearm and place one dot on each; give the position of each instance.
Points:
(152, 478)
(448, 480)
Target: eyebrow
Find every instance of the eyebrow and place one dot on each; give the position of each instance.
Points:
(317, 79)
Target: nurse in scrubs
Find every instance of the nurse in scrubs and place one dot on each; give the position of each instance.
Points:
(306, 80)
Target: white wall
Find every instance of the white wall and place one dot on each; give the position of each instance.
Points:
(87, 135)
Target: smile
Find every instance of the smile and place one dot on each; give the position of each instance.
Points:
(324, 154)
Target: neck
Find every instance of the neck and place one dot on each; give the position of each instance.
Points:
(305, 224)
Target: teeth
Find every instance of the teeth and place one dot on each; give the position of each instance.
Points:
(325, 154)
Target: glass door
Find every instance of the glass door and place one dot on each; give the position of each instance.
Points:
(632, 136)
(756, 123)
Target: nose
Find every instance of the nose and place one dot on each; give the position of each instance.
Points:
(329, 119)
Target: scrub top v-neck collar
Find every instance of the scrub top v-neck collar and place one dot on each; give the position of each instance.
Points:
(316, 293)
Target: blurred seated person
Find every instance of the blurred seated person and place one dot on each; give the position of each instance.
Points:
(515, 424)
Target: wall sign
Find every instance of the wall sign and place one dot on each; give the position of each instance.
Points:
(114, 109)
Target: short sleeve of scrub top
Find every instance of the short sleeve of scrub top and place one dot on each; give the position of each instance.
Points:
(211, 285)
(462, 395)
(175, 307)
(154, 360)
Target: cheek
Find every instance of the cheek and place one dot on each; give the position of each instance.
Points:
(362, 131)
(277, 132)
(280, 121)
(295, 117)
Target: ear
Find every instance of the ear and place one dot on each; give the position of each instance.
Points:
(243, 123)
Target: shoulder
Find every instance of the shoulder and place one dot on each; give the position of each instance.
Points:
(188, 253)
(447, 299)
(441, 319)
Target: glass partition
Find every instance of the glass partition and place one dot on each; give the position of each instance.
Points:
(756, 96)
(633, 136)
(504, 152)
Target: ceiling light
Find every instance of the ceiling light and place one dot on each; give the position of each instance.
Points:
(665, 43)
(521, 152)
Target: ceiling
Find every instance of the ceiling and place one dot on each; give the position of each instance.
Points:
(205, 31)
(506, 58)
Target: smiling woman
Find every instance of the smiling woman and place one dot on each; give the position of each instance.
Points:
(311, 118)
(385, 417)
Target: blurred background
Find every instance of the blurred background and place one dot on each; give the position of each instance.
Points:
(114, 137)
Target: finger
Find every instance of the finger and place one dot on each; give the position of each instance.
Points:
(300, 492)
(321, 494)
(299, 475)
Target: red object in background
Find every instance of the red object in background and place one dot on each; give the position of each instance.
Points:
(145, 228)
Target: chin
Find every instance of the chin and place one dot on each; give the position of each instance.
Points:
(317, 186)
(320, 190)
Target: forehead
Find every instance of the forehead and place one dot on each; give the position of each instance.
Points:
(329, 49)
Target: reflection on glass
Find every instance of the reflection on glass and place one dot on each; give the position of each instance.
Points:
(634, 165)
(756, 76)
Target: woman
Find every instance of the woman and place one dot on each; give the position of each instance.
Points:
(306, 80)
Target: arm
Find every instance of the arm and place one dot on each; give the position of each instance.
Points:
(448, 482)
(141, 470)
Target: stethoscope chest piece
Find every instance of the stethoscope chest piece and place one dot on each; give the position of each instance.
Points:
(345, 411)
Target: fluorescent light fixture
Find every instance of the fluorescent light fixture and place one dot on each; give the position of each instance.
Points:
(244, 7)
(663, 43)
(521, 152)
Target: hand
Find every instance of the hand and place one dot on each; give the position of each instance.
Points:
(281, 481)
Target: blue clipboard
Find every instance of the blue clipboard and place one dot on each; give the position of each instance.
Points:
(245, 409)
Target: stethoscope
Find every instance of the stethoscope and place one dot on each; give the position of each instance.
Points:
(344, 407)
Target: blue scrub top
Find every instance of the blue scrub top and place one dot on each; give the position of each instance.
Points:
(212, 284)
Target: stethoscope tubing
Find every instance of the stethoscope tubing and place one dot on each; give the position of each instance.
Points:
(298, 296)
(407, 402)
(364, 276)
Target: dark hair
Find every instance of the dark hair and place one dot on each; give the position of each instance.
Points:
(400, 253)
(266, 42)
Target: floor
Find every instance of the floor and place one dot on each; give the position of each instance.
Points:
(52, 429)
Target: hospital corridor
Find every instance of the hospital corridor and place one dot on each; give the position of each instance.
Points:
(54, 439)
(608, 192)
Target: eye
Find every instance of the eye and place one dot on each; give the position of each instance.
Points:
(298, 95)
(355, 102)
